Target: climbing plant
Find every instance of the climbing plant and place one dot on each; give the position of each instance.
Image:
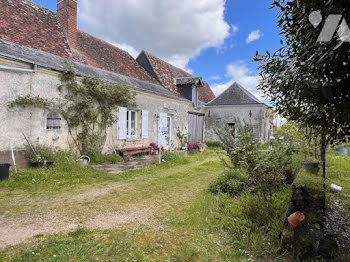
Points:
(30, 100)
(88, 106)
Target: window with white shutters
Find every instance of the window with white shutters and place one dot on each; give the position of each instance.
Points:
(128, 124)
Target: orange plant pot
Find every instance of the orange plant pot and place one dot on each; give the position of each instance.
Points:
(296, 219)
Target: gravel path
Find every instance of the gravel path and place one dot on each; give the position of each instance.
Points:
(337, 230)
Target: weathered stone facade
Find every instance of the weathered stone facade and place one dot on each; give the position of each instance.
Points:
(258, 115)
(238, 103)
(35, 46)
(33, 121)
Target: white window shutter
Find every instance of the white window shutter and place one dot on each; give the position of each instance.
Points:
(144, 124)
(122, 123)
(162, 127)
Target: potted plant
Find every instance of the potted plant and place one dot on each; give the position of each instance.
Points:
(40, 161)
(40, 155)
(202, 147)
(155, 148)
(192, 148)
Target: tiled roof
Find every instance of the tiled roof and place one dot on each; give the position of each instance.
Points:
(101, 54)
(48, 60)
(31, 25)
(166, 74)
(28, 24)
(235, 95)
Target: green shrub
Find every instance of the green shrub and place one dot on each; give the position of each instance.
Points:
(99, 158)
(38, 152)
(232, 182)
(253, 225)
(288, 162)
(212, 144)
(62, 157)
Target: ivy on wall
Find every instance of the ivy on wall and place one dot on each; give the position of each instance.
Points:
(88, 106)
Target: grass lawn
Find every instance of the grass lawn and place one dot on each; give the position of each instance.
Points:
(66, 214)
(338, 172)
(162, 213)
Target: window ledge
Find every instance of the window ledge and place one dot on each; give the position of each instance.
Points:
(133, 139)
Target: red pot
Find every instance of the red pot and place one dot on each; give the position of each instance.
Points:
(296, 219)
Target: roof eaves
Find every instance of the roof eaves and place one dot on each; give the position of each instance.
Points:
(242, 104)
(50, 61)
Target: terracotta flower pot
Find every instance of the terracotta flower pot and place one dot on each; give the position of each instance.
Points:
(296, 219)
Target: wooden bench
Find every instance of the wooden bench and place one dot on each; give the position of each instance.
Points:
(136, 151)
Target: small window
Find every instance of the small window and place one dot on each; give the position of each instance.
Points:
(53, 121)
(232, 127)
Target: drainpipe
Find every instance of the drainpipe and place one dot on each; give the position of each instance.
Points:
(17, 69)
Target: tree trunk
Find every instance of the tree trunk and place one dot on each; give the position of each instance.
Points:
(323, 160)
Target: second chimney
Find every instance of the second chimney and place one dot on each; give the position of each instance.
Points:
(67, 12)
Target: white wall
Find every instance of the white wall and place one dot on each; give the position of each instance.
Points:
(32, 121)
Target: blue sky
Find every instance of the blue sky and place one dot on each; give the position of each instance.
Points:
(225, 56)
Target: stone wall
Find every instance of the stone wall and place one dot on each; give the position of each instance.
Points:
(32, 121)
(177, 110)
(256, 114)
(21, 161)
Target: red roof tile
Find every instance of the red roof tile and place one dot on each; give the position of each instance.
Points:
(25, 23)
(28, 24)
(101, 54)
(31, 25)
(166, 73)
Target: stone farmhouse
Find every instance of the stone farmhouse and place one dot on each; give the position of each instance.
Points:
(171, 104)
(238, 103)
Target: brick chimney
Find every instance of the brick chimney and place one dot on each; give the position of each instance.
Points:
(67, 11)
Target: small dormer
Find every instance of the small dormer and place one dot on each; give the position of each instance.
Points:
(188, 87)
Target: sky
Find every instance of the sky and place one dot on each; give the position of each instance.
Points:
(214, 39)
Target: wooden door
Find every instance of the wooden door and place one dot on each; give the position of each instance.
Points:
(195, 128)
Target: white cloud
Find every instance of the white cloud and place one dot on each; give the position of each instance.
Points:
(132, 51)
(174, 30)
(234, 29)
(214, 78)
(253, 36)
(240, 73)
(180, 61)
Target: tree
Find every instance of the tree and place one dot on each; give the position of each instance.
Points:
(308, 81)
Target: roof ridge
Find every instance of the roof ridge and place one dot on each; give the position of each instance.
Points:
(37, 5)
(227, 98)
(247, 92)
(148, 53)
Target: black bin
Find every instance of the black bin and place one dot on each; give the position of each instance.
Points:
(4, 171)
